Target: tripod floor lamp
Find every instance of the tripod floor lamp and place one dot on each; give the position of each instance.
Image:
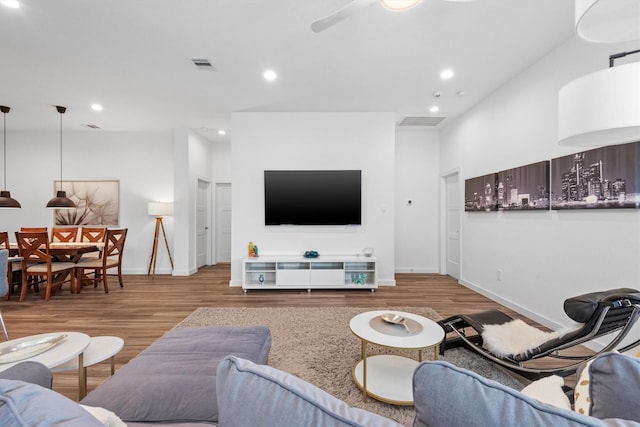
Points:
(159, 210)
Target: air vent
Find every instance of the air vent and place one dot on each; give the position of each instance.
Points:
(421, 121)
(203, 64)
(91, 126)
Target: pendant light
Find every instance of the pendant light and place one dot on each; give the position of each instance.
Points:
(61, 201)
(6, 201)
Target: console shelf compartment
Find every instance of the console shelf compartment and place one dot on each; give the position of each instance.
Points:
(297, 272)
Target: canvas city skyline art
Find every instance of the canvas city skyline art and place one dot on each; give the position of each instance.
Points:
(524, 187)
(602, 178)
(480, 193)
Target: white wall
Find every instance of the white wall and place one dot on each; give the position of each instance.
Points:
(417, 179)
(192, 162)
(545, 256)
(362, 141)
(141, 161)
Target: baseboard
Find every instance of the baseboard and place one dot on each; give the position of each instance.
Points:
(422, 270)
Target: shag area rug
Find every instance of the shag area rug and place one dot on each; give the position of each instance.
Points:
(317, 345)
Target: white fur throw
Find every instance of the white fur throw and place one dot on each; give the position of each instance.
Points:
(516, 337)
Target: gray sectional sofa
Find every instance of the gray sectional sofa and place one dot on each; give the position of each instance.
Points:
(194, 377)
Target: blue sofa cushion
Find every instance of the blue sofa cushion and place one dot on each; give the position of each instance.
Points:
(24, 404)
(261, 395)
(30, 372)
(613, 385)
(174, 379)
(446, 395)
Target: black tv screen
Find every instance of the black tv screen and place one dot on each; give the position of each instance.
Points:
(312, 197)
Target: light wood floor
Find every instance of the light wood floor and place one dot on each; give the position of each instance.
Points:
(147, 307)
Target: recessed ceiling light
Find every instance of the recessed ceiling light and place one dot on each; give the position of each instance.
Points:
(270, 75)
(11, 3)
(96, 107)
(434, 109)
(446, 74)
(222, 132)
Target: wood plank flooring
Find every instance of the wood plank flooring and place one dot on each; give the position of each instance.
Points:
(147, 307)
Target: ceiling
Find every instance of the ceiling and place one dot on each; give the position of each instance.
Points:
(134, 58)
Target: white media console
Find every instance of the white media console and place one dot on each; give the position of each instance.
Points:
(298, 272)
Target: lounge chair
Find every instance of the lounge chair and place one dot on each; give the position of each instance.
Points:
(493, 333)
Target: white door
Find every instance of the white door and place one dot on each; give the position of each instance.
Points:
(223, 222)
(203, 234)
(452, 201)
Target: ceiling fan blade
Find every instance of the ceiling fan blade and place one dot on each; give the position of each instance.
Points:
(340, 14)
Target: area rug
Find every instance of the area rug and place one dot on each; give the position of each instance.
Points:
(316, 344)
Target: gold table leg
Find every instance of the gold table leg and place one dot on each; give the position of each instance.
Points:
(82, 377)
(364, 371)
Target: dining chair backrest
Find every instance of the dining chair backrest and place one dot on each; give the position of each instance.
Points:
(114, 243)
(33, 247)
(93, 234)
(64, 234)
(4, 240)
(33, 229)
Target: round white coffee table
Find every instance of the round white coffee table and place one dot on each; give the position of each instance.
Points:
(99, 349)
(67, 349)
(387, 377)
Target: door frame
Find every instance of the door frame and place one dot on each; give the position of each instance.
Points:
(443, 220)
(214, 220)
(208, 222)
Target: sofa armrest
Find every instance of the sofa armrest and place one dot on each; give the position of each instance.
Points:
(29, 372)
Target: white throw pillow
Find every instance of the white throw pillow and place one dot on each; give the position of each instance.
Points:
(106, 417)
(581, 393)
(548, 390)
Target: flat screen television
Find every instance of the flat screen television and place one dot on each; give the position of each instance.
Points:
(312, 197)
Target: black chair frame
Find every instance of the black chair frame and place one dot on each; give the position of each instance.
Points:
(601, 313)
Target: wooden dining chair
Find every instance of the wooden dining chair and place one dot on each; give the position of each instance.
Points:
(64, 234)
(33, 247)
(111, 257)
(93, 234)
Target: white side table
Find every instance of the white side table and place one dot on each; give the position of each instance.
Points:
(386, 377)
(99, 349)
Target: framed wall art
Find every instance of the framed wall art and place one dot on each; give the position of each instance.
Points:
(480, 193)
(98, 203)
(524, 187)
(602, 178)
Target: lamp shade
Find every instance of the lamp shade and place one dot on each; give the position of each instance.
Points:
(61, 201)
(608, 21)
(400, 4)
(6, 201)
(160, 208)
(601, 108)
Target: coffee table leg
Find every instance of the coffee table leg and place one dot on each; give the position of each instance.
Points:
(82, 377)
(364, 371)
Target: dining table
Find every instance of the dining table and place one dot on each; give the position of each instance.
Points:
(65, 251)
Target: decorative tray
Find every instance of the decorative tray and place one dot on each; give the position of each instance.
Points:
(24, 348)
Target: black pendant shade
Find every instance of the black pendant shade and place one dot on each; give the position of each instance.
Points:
(61, 201)
(6, 201)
